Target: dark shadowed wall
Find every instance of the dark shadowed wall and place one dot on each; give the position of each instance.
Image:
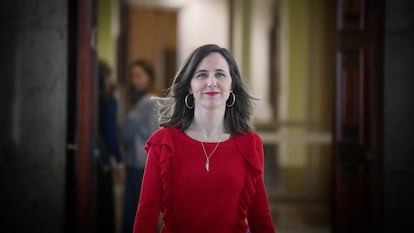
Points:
(399, 115)
(33, 75)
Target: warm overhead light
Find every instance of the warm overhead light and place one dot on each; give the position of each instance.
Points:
(159, 3)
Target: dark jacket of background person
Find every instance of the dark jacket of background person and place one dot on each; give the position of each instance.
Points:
(109, 147)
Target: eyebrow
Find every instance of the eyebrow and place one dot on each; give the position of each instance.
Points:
(220, 70)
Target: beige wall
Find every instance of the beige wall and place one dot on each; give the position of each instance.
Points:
(152, 32)
(108, 31)
(202, 22)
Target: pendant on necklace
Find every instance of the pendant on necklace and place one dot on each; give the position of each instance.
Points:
(207, 165)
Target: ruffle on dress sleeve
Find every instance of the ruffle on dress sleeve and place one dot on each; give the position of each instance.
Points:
(164, 138)
(248, 146)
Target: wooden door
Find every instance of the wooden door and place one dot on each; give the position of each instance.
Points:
(87, 115)
(81, 116)
(358, 129)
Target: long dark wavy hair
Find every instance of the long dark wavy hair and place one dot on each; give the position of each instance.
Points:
(174, 113)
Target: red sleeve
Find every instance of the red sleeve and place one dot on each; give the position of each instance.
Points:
(258, 214)
(149, 204)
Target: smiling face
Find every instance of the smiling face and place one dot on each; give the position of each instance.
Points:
(211, 82)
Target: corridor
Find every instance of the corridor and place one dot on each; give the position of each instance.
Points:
(332, 81)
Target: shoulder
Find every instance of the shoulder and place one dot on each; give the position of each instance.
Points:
(148, 105)
(163, 136)
(143, 107)
(249, 139)
(146, 102)
(149, 99)
(161, 133)
(250, 146)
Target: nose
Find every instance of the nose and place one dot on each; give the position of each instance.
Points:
(211, 81)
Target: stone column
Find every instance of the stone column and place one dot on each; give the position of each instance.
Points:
(33, 61)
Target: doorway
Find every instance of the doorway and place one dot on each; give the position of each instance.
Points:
(299, 84)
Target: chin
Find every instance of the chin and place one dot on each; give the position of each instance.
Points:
(213, 105)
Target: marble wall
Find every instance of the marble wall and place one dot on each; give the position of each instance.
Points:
(33, 76)
(398, 115)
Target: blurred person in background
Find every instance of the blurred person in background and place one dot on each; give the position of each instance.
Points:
(109, 148)
(140, 122)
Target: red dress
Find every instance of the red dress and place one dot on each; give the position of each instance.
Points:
(229, 198)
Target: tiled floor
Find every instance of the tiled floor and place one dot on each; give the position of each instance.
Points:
(303, 230)
(296, 217)
(119, 192)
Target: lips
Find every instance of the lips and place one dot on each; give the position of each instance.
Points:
(212, 93)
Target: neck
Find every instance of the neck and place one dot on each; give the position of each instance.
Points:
(208, 125)
(137, 95)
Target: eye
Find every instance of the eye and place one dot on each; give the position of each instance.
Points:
(201, 75)
(220, 75)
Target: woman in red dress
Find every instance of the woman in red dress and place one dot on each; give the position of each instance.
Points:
(204, 171)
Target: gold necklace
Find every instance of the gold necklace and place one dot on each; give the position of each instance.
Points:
(207, 166)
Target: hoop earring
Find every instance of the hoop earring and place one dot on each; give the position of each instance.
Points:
(234, 100)
(186, 102)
